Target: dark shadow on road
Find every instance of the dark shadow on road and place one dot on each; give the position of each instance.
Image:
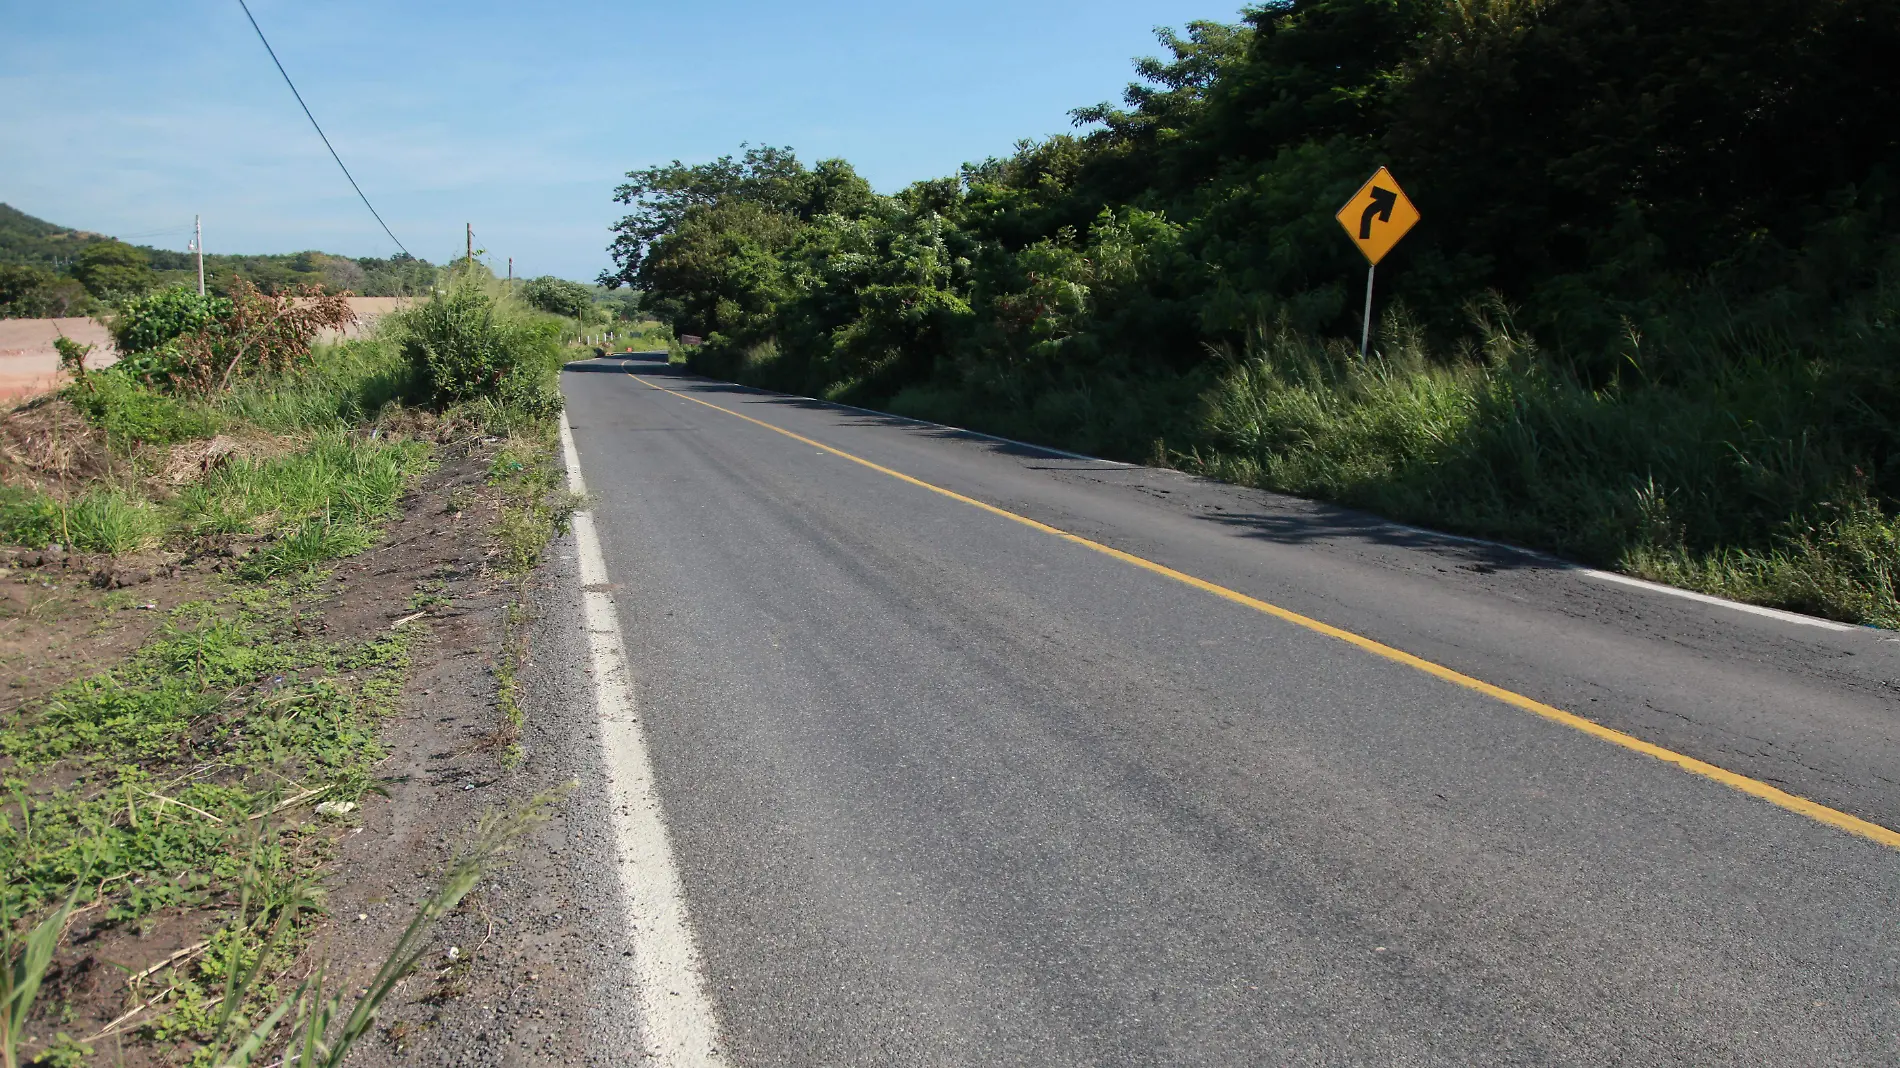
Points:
(1312, 522)
(624, 363)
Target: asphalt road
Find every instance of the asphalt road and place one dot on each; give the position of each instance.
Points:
(945, 789)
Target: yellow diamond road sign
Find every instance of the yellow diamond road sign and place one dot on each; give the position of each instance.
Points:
(1377, 216)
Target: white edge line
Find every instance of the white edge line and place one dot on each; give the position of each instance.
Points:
(1753, 609)
(1641, 584)
(676, 1015)
(1555, 561)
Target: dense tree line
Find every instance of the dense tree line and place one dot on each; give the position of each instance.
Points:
(1591, 160)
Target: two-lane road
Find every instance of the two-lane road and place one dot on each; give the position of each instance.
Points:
(945, 787)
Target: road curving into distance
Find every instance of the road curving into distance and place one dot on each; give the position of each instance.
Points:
(970, 753)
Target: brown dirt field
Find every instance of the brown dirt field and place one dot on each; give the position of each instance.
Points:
(368, 310)
(29, 365)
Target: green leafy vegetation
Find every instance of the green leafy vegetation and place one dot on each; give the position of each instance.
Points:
(463, 344)
(366, 276)
(537, 506)
(477, 349)
(1647, 319)
(151, 321)
(112, 269)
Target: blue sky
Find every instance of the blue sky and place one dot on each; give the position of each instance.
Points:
(128, 117)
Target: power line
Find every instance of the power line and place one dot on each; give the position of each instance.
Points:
(319, 129)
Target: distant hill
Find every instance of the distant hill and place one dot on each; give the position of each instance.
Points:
(29, 241)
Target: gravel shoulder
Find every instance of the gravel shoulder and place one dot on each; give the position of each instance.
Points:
(532, 968)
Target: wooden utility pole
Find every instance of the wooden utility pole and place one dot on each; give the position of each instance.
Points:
(511, 273)
(471, 243)
(198, 246)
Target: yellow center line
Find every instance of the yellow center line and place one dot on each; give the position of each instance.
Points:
(1814, 810)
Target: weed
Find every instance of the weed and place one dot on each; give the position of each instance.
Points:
(461, 499)
(317, 540)
(513, 654)
(106, 521)
(28, 518)
(346, 385)
(534, 508)
(237, 688)
(64, 1051)
(23, 964)
(428, 595)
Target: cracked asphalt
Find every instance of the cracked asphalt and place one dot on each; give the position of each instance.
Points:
(945, 789)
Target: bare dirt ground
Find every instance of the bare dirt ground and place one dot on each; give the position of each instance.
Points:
(29, 365)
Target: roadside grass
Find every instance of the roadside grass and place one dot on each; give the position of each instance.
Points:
(182, 781)
(184, 777)
(318, 500)
(645, 336)
(1744, 451)
(1714, 483)
(352, 384)
(319, 503)
(536, 505)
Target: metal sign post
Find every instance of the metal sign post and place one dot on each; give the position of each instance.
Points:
(1365, 318)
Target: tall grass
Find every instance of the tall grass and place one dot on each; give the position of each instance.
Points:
(1737, 481)
(344, 385)
(23, 965)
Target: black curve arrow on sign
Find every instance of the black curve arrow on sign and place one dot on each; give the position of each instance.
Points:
(1382, 201)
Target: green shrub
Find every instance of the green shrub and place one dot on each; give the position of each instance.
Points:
(130, 412)
(145, 324)
(457, 345)
(558, 296)
(468, 347)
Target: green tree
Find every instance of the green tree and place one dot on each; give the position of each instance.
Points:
(559, 296)
(114, 269)
(29, 292)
